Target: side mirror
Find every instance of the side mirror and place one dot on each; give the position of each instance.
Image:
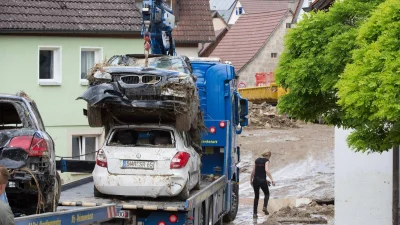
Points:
(244, 111)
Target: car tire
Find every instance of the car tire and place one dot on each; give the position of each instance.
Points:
(183, 122)
(94, 116)
(197, 186)
(184, 195)
(97, 193)
(231, 215)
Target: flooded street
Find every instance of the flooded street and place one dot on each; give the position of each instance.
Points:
(301, 164)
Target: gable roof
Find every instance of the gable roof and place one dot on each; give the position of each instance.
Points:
(223, 7)
(297, 11)
(195, 22)
(218, 36)
(74, 16)
(242, 42)
(258, 6)
(321, 4)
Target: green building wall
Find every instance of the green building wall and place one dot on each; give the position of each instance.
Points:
(61, 112)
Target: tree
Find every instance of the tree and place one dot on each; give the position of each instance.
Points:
(369, 88)
(316, 53)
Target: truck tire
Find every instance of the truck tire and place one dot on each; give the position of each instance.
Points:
(94, 116)
(231, 215)
(185, 192)
(97, 193)
(183, 122)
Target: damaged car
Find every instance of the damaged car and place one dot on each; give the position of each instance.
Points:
(124, 90)
(27, 151)
(152, 160)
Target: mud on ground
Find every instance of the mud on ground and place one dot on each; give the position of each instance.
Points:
(302, 165)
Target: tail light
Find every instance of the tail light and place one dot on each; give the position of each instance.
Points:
(162, 223)
(222, 124)
(180, 160)
(33, 145)
(213, 130)
(173, 218)
(101, 159)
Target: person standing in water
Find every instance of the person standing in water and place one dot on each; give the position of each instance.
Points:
(258, 180)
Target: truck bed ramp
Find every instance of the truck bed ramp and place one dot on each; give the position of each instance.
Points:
(83, 196)
(79, 216)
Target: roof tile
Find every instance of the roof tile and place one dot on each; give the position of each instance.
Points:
(70, 15)
(257, 6)
(195, 22)
(247, 36)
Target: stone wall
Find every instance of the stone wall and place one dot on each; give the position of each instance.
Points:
(263, 62)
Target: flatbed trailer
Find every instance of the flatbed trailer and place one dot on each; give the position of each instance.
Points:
(217, 200)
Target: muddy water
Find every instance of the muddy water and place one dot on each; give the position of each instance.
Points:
(302, 166)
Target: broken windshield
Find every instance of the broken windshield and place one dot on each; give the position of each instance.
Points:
(166, 63)
(135, 137)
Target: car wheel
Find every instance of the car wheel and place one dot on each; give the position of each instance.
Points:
(97, 193)
(94, 116)
(231, 215)
(197, 187)
(182, 122)
(185, 192)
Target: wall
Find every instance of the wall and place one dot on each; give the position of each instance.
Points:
(263, 61)
(61, 112)
(187, 51)
(219, 24)
(234, 17)
(363, 185)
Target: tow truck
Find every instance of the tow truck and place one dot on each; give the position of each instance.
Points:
(225, 115)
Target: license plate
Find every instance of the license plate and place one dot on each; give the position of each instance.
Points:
(123, 214)
(135, 164)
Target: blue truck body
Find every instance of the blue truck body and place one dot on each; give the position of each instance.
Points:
(224, 114)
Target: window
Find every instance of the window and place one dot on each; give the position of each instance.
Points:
(239, 10)
(274, 55)
(89, 56)
(49, 65)
(84, 147)
(139, 137)
(288, 25)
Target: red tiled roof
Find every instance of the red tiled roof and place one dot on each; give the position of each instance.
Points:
(70, 16)
(247, 36)
(195, 22)
(257, 6)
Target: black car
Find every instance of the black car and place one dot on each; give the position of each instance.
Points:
(27, 150)
(124, 91)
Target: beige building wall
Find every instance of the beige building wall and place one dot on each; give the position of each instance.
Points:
(187, 51)
(263, 61)
(218, 24)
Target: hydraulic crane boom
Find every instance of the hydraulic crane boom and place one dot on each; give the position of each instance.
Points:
(157, 24)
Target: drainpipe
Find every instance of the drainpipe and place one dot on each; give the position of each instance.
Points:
(395, 206)
(202, 47)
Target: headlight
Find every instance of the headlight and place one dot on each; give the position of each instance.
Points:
(102, 76)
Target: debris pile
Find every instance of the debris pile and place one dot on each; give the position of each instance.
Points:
(312, 213)
(266, 116)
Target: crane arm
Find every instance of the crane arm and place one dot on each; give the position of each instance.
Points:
(157, 25)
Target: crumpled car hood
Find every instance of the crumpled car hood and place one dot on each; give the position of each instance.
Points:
(106, 92)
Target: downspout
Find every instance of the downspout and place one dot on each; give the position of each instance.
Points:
(202, 47)
(395, 206)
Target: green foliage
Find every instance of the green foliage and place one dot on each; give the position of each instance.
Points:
(316, 53)
(369, 88)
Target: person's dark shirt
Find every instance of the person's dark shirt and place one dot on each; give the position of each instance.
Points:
(260, 168)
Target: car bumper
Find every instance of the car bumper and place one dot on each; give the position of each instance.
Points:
(110, 93)
(138, 185)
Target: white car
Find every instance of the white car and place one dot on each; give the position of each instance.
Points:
(146, 161)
